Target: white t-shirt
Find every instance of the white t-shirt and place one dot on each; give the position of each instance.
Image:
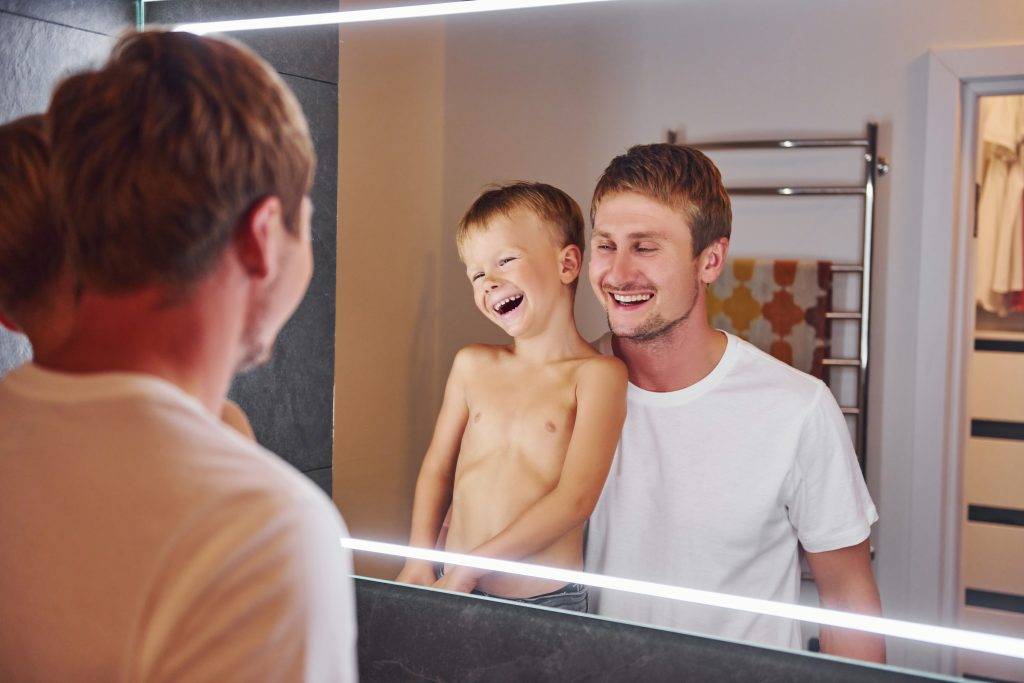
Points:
(142, 540)
(712, 486)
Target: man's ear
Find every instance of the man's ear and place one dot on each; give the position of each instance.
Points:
(712, 260)
(8, 323)
(256, 237)
(570, 261)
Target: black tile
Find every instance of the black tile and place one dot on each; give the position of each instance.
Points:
(997, 429)
(321, 478)
(309, 52)
(290, 401)
(103, 16)
(31, 64)
(413, 634)
(1007, 602)
(14, 350)
(995, 515)
(1000, 345)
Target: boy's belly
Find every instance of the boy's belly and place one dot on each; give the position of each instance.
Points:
(487, 498)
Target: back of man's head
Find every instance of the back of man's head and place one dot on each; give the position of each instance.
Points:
(31, 247)
(159, 153)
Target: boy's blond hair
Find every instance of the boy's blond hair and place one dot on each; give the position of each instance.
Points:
(553, 206)
(31, 245)
(159, 154)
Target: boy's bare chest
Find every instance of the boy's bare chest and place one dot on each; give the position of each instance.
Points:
(521, 410)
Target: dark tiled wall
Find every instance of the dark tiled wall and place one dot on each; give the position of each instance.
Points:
(419, 634)
(40, 42)
(290, 401)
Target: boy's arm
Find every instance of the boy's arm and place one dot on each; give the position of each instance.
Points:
(600, 412)
(434, 484)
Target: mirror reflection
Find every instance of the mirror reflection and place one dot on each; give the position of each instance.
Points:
(650, 291)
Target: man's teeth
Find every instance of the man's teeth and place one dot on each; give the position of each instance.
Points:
(505, 301)
(631, 298)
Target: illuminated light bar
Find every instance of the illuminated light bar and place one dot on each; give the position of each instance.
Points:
(439, 9)
(938, 635)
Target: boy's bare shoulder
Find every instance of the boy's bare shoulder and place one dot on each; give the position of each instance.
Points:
(601, 368)
(473, 355)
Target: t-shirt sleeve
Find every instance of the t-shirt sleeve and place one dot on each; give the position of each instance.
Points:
(828, 502)
(252, 590)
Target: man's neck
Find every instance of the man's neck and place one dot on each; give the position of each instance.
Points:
(680, 358)
(190, 344)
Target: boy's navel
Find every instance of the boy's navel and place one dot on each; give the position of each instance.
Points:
(476, 418)
(550, 426)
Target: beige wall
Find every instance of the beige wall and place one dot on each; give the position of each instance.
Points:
(391, 110)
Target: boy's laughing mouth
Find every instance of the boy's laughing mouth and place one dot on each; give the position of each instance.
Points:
(507, 305)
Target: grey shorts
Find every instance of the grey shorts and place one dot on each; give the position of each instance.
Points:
(574, 597)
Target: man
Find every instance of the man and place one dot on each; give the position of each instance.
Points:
(142, 539)
(729, 459)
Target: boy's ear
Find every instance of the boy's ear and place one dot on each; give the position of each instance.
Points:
(256, 237)
(711, 262)
(570, 261)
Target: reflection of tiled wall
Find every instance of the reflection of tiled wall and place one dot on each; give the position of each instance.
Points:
(30, 65)
(290, 401)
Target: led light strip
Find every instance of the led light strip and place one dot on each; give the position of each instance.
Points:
(938, 635)
(382, 14)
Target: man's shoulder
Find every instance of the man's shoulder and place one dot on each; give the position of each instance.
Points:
(761, 371)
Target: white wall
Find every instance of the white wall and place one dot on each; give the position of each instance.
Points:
(553, 94)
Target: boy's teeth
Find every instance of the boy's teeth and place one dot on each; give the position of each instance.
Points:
(631, 298)
(506, 300)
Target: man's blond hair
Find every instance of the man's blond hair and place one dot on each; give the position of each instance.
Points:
(680, 177)
(31, 245)
(158, 154)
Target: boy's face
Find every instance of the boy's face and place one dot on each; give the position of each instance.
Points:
(513, 266)
(642, 266)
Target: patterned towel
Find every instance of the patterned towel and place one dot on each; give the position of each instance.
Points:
(778, 306)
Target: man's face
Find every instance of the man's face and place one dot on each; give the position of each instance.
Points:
(277, 299)
(642, 266)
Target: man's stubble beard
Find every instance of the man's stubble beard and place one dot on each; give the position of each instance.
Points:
(657, 327)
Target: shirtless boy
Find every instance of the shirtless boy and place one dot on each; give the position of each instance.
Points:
(527, 431)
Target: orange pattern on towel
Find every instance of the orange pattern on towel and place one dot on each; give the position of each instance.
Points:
(779, 306)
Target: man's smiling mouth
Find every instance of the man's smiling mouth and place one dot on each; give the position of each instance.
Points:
(630, 299)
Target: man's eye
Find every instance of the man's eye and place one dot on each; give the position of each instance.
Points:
(645, 250)
(605, 247)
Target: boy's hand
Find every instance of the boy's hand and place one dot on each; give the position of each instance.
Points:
(417, 572)
(459, 579)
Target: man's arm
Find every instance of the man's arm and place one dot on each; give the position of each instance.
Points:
(600, 412)
(845, 582)
(437, 474)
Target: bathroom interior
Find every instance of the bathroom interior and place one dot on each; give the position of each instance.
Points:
(866, 140)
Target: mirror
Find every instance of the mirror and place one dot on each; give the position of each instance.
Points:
(432, 111)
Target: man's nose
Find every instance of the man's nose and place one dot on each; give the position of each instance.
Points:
(621, 269)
